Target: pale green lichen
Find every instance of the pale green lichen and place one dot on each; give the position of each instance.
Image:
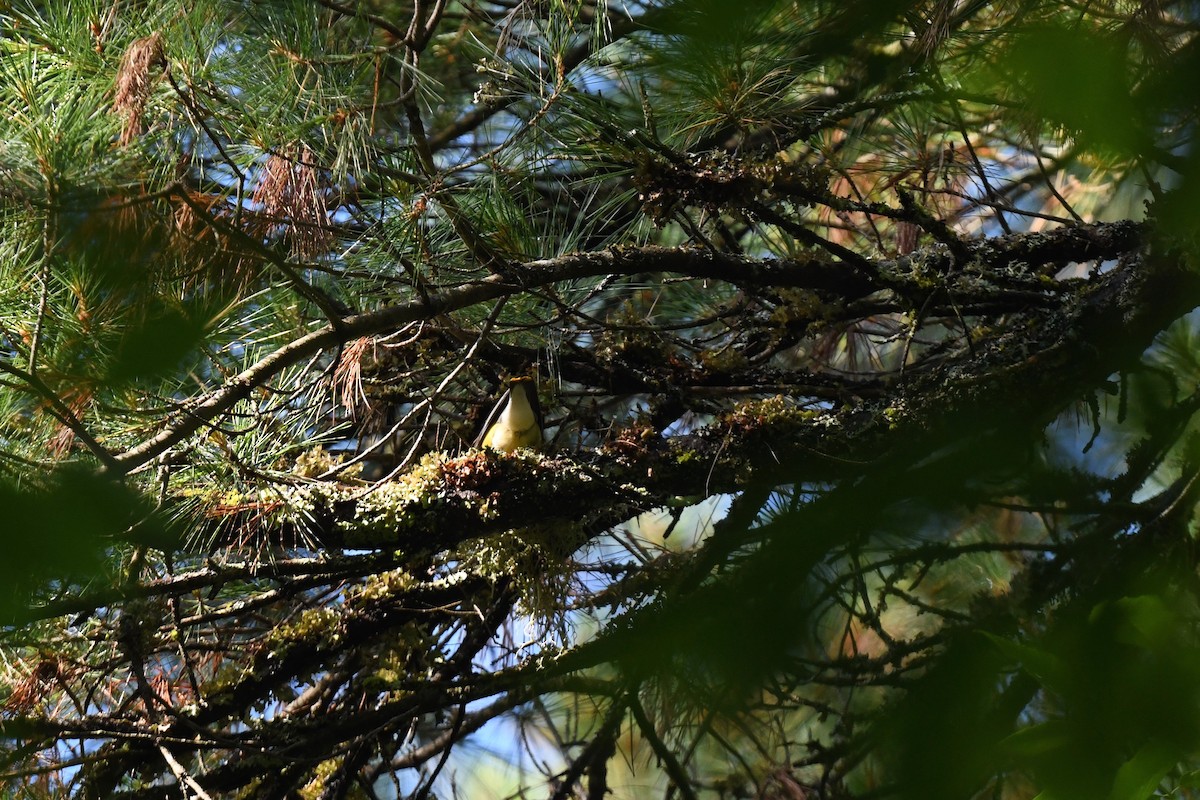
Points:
(804, 306)
(396, 505)
(319, 627)
(440, 488)
(315, 788)
(893, 414)
(387, 584)
(773, 412)
(317, 461)
(726, 359)
(410, 653)
(399, 504)
(535, 560)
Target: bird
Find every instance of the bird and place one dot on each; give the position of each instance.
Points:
(516, 421)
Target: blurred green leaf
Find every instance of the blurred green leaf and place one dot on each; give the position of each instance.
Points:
(1189, 780)
(157, 346)
(1139, 777)
(1079, 79)
(61, 532)
(1143, 621)
(942, 739)
(1047, 668)
(1040, 740)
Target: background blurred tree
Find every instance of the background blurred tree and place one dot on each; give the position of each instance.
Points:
(862, 329)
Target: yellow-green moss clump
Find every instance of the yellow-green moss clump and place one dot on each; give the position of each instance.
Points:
(776, 413)
(319, 627)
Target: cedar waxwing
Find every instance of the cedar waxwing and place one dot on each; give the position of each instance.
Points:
(516, 421)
